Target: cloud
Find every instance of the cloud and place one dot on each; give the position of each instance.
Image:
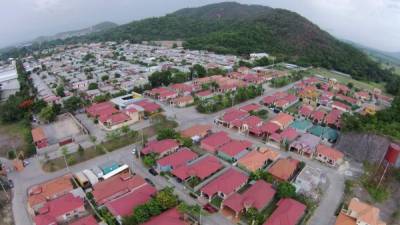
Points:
(374, 23)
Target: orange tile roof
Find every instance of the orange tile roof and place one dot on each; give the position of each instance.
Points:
(283, 169)
(256, 159)
(343, 219)
(49, 190)
(199, 129)
(38, 134)
(365, 212)
(283, 119)
(329, 152)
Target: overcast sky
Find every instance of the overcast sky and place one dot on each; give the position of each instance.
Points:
(374, 23)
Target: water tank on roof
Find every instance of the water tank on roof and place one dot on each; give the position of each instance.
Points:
(393, 154)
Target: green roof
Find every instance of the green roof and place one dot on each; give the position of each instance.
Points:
(324, 132)
(301, 125)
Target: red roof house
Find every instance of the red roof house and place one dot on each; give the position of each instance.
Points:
(116, 187)
(258, 196)
(341, 106)
(270, 128)
(289, 212)
(235, 149)
(318, 116)
(169, 217)
(175, 160)
(232, 115)
(60, 210)
(101, 109)
(161, 148)
(214, 141)
(124, 205)
(201, 168)
(225, 184)
(148, 106)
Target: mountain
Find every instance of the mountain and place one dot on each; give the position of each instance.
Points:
(392, 58)
(240, 29)
(68, 34)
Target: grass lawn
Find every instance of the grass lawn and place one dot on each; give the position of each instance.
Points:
(92, 152)
(13, 137)
(343, 79)
(294, 108)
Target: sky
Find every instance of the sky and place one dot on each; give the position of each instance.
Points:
(373, 23)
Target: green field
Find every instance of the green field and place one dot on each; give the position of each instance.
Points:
(13, 137)
(343, 79)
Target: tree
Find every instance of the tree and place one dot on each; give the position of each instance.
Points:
(47, 114)
(125, 129)
(253, 216)
(11, 155)
(72, 104)
(60, 91)
(141, 214)
(350, 85)
(166, 198)
(149, 160)
(167, 133)
(286, 190)
(93, 86)
(104, 78)
(198, 71)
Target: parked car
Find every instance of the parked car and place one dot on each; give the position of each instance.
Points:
(10, 183)
(25, 163)
(153, 172)
(209, 208)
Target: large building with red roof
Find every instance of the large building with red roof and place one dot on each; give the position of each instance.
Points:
(169, 217)
(201, 168)
(289, 212)
(225, 184)
(123, 206)
(214, 141)
(116, 187)
(60, 210)
(161, 148)
(258, 196)
(182, 157)
(234, 150)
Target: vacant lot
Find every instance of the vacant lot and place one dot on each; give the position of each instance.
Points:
(12, 136)
(343, 79)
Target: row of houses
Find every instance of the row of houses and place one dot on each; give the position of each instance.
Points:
(111, 116)
(299, 135)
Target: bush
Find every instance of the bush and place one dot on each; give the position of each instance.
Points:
(11, 154)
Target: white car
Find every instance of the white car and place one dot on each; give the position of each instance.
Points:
(133, 151)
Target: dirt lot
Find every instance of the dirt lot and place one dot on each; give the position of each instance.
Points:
(363, 147)
(6, 217)
(12, 136)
